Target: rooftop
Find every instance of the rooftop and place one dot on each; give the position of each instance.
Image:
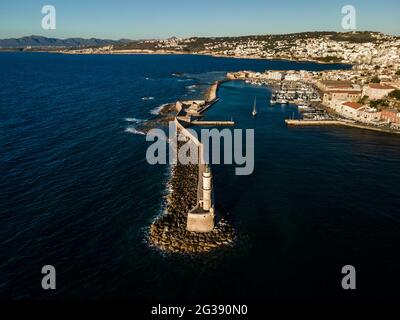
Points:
(353, 105)
(380, 86)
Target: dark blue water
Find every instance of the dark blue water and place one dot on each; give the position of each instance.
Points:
(77, 192)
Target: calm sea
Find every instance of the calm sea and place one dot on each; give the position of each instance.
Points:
(77, 192)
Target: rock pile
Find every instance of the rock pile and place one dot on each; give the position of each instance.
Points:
(165, 116)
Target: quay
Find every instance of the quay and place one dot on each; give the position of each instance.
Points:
(208, 105)
(299, 123)
(213, 123)
(190, 112)
(292, 122)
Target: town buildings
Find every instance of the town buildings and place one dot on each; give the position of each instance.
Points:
(375, 91)
(350, 101)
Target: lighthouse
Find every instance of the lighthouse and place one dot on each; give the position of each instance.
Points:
(201, 218)
(207, 201)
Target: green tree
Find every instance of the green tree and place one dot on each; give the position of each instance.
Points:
(375, 79)
(363, 100)
(378, 103)
(395, 94)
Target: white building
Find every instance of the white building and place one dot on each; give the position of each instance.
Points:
(376, 91)
(358, 112)
(292, 77)
(274, 75)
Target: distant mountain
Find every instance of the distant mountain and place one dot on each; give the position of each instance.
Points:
(39, 41)
(193, 44)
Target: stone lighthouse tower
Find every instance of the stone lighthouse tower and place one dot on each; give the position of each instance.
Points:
(207, 201)
(201, 218)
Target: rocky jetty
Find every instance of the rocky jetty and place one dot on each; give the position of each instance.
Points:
(211, 93)
(168, 232)
(165, 115)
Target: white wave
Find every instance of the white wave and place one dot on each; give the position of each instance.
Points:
(147, 98)
(134, 120)
(134, 131)
(157, 110)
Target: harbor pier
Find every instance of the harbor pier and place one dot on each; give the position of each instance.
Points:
(189, 225)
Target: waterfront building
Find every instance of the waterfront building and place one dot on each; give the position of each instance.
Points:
(194, 107)
(292, 77)
(333, 85)
(369, 115)
(305, 75)
(358, 112)
(274, 75)
(391, 116)
(339, 96)
(350, 109)
(376, 91)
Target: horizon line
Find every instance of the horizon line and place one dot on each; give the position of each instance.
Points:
(194, 36)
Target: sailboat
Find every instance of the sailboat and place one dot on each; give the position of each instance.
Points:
(254, 113)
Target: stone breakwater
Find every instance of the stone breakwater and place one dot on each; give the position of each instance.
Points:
(168, 232)
(165, 116)
(211, 93)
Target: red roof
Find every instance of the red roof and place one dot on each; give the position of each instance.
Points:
(353, 105)
(390, 111)
(336, 83)
(341, 86)
(380, 86)
(345, 91)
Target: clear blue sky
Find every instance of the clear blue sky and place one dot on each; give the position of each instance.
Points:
(165, 18)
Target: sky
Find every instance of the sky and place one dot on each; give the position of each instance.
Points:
(155, 19)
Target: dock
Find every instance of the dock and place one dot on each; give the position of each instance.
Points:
(292, 122)
(213, 123)
(299, 123)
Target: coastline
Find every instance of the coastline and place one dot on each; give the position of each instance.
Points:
(299, 123)
(339, 121)
(165, 52)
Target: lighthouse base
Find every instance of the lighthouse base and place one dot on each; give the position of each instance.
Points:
(200, 221)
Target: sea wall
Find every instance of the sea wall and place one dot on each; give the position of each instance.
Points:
(211, 94)
(291, 122)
